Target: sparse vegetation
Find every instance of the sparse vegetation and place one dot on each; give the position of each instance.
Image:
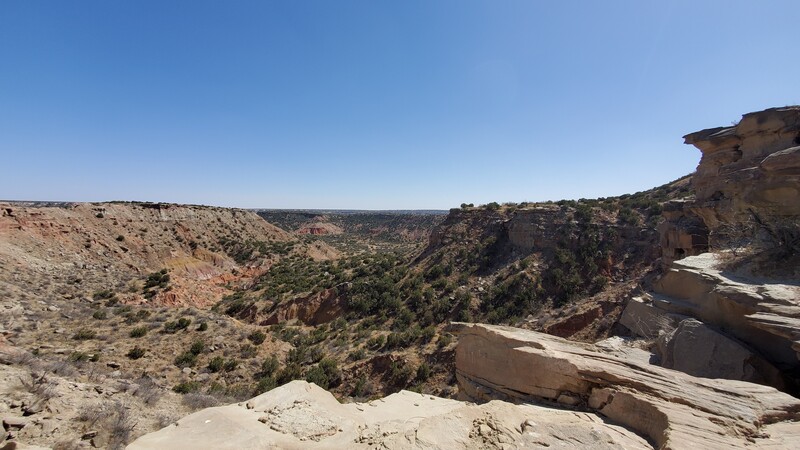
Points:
(84, 334)
(136, 352)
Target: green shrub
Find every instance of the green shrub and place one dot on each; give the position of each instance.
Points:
(203, 326)
(248, 351)
(269, 366)
(444, 340)
(78, 356)
(265, 384)
(257, 337)
(423, 372)
(317, 376)
(399, 374)
(357, 354)
(197, 347)
(360, 388)
(186, 359)
(187, 387)
(139, 331)
(230, 365)
(216, 364)
(175, 326)
(136, 352)
(376, 342)
(100, 314)
(84, 334)
(290, 372)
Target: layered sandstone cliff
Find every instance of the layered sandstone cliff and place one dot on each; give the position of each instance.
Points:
(732, 261)
(746, 171)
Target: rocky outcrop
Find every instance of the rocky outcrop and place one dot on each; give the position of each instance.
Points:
(681, 233)
(537, 227)
(300, 415)
(319, 228)
(314, 309)
(764, 316)
(754, 165)
(697, 349)
(751, 169)
(747, 195)
(670, 408)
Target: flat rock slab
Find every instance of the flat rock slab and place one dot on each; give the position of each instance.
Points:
(670, 408)
(300, 415)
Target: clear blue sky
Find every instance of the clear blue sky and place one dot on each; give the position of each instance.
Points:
(375, 104)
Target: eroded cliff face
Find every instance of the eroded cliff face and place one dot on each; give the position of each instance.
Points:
(749, 170)
(76, 249)
(502, 237)
(747, 200)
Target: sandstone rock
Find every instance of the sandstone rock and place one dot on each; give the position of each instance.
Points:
(699, 350)
(643, 319)
(89, 435)
(315, 309)
(300, 415)
(742, 164)
(766, 316)
(13, 445)
(681, 233)
(14, 423)
(752, 168)
(672, 409)
(33, 406)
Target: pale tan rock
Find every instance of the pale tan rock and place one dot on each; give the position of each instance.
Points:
(697, 349)
(674, 410)
(766, 316)
(300, 415)
(746, 170)
(752, 166)
(644, 319)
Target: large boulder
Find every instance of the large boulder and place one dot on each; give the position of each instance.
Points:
(697, 349)
(670, 408)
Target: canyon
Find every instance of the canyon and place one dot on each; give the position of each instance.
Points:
(664, 319)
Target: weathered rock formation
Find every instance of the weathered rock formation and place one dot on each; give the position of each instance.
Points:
(764, 316)
(319, 228)
(300, 415)
(749, 174)
(754, 165)
(315, 309)
(672, 409)
(746, 170)
(697, 349)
